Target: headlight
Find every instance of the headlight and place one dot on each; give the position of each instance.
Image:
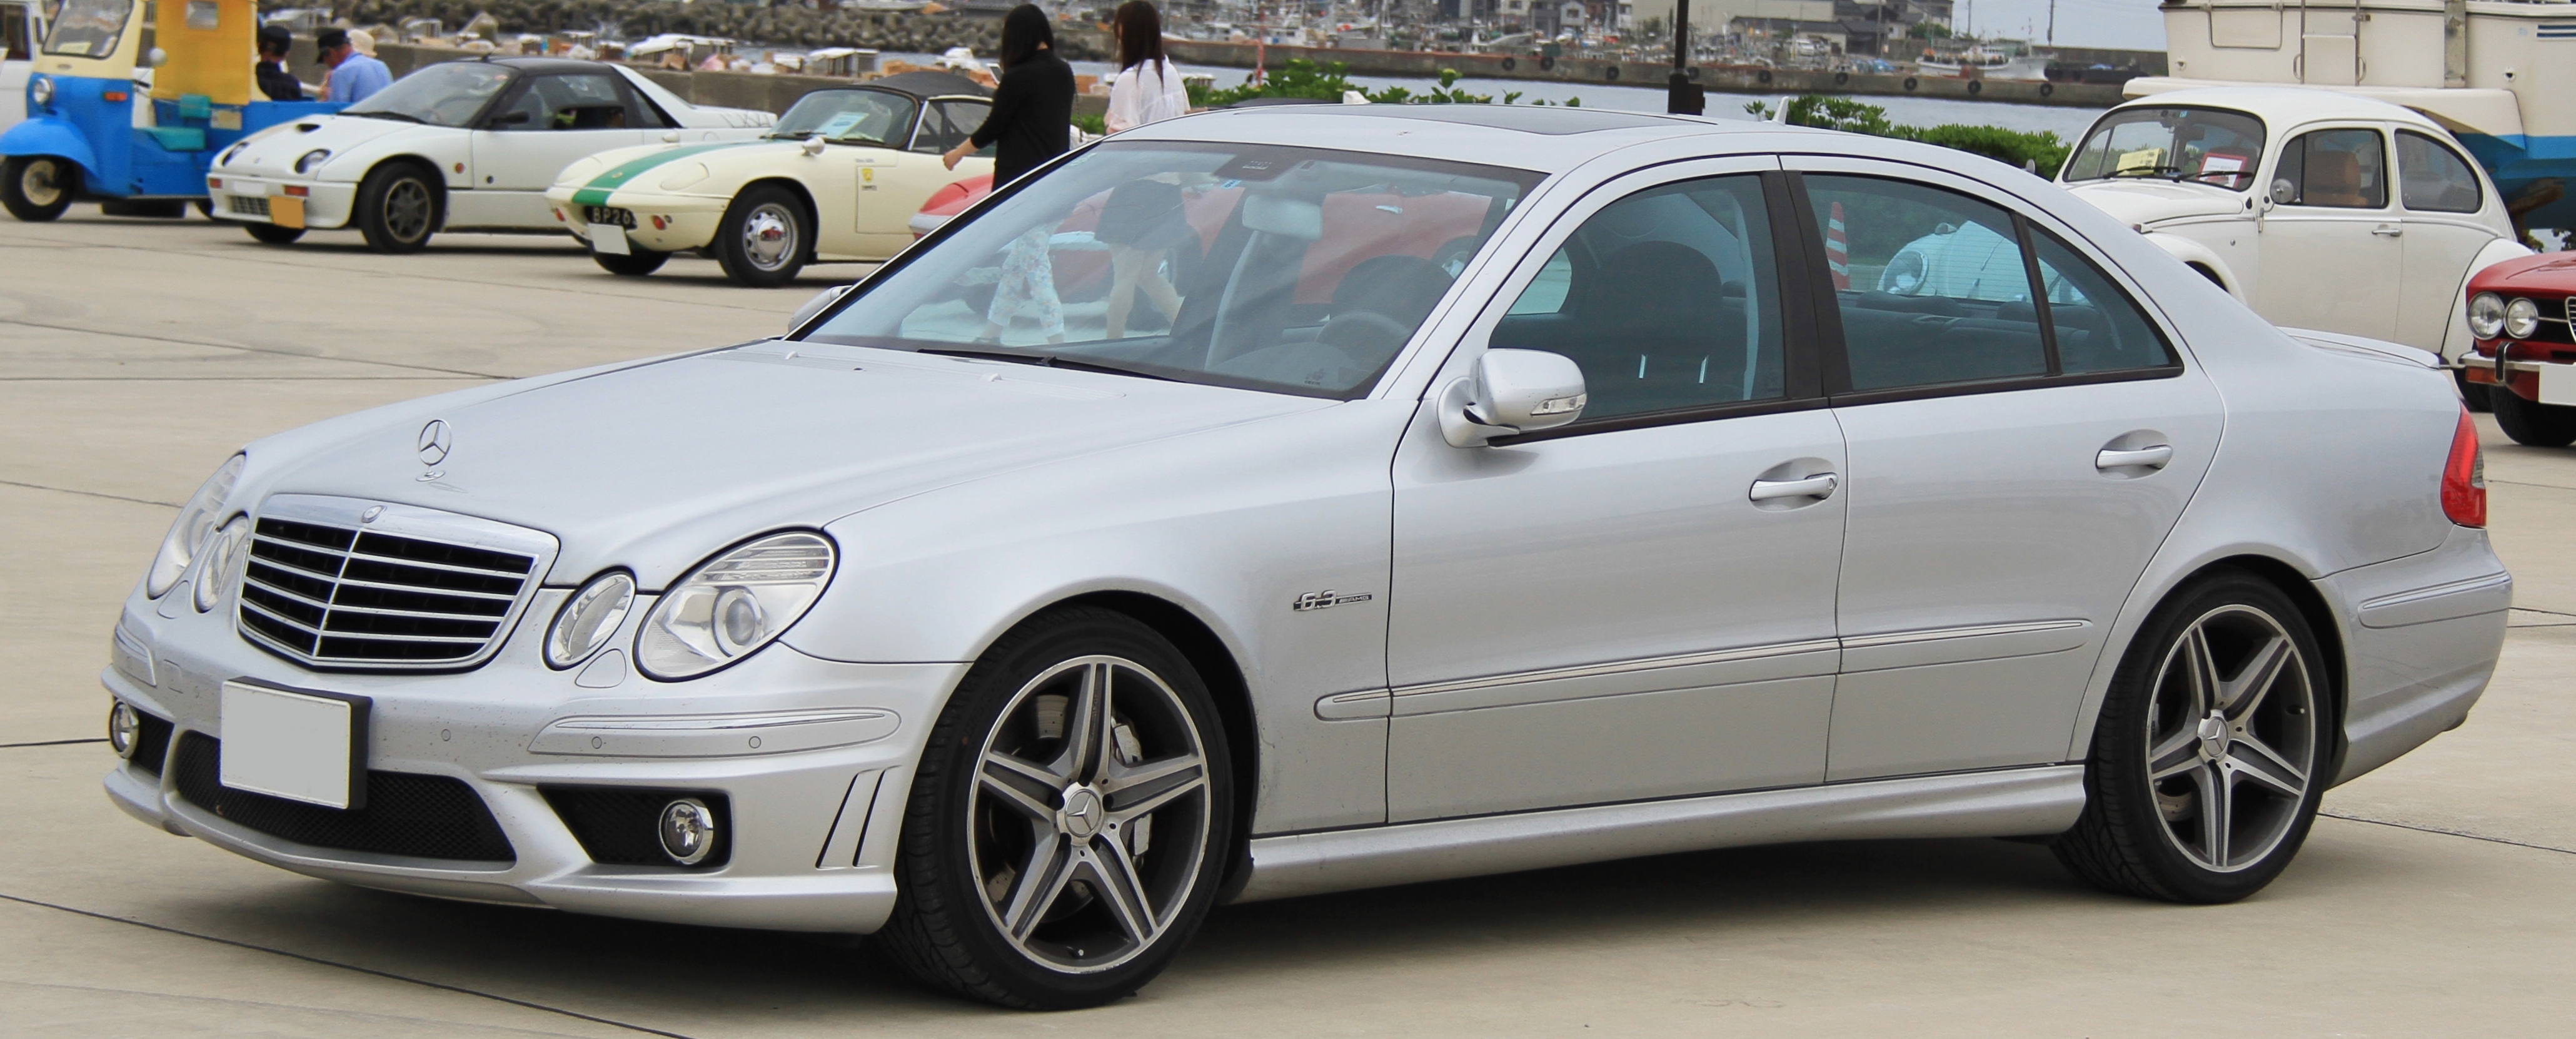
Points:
(733, 604)
(197, 519)
(589, 619)
(223, 559)
(41, 90)
(2521, 318)
(2486, 315)
(305, 163)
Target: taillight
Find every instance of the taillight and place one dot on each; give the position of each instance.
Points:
(2464, 476)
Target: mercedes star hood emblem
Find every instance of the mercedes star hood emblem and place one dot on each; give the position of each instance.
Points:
(434, 442)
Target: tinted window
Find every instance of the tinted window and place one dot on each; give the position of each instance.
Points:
(2098, 328)
(2432, 178)
(2337, 169)
(1668, 299)
(578, 102)
(1932, 284)
(2201, 145)
(949, 122)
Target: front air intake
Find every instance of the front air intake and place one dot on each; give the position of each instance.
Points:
(418, 816)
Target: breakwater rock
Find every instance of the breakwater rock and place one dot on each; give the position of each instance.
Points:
(785, 26)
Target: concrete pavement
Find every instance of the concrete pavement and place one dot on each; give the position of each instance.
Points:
(2437, 898)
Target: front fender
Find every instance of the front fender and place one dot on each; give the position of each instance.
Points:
(2456, 339)
(2200, 256)
(51, 135)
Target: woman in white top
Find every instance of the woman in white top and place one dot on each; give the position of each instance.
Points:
(1144, 221)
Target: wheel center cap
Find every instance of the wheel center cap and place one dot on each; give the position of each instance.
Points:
(1083, 813)
(2213, 736)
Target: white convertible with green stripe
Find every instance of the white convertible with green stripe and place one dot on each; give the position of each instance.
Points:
(838, 180)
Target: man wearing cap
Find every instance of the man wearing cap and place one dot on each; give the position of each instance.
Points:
(274, 80)
(354, 76)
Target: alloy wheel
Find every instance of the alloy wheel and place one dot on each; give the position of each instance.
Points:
(769, 236)
(1089, 815)
(407, 210)
(2232, 740)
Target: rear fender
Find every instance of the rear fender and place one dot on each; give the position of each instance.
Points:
(2201, 257)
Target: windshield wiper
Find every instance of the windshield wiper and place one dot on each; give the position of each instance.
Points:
(2148, 171)
(1039, 360)
(386, 114)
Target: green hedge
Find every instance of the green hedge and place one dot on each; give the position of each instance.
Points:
(2040, 152)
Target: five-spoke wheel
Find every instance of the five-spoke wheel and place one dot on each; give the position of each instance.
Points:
(2212, 751)
(1070, 822)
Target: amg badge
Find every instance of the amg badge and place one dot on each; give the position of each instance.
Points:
(1323, 600)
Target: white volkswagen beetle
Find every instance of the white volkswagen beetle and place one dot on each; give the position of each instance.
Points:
(459, 146)
(1503, 488)
(2320, 209)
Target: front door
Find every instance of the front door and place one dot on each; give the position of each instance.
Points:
(548, 123)
(1638, 605)
(2016, 455)
(2441, 196)
(906, 179)
(2331, 251)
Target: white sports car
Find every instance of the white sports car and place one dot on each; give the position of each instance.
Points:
(460, 146)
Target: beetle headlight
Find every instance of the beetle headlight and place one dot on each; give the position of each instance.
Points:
(306, 162)
(223, 559)
(40, 89)
(2521, 318)
(589, 619)
(2486, 315)
(196, 522)
(734, 604)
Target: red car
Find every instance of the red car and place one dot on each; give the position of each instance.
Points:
(2519, 310)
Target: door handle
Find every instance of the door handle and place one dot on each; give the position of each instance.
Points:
(2149, 457)
(1819, 486)
(2388, 230)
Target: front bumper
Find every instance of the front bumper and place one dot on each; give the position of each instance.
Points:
(2548, 382)
(812, 818)
(251, 200)
(663, 223)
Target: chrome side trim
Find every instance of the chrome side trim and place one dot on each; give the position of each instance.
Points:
(1366, 703)
(1619, 667)
(2487, 593)
(1900, 638)
(713, 735)
(1931, 646)
(2010, 802)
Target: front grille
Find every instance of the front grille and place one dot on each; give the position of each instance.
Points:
(609, 215)
(426, 817)
(2571, 312)
(330, 595)
(621, 826)
(151, 743)
(249, 205)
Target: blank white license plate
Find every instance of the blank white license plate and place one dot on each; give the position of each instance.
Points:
(2558, 384)
(608, 238)
(301, 746)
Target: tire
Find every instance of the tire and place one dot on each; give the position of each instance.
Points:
(636, 264)
(1909, 84)
(1510, 63)
(2047, 89)
(37, 188)
(2224, 690)
(984, 811)
(273, 234)
(1842, 79)
(2532, 423)
(1611, 73)
(205, 208)
(399, 207)
(1976, 86)
(765, 237)
(157, 209)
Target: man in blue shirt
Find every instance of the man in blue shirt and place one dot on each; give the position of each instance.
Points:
(354, 76)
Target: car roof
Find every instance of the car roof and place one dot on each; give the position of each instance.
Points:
(2287, 106)
(550, 64)
(926, 83)
(1546, 139)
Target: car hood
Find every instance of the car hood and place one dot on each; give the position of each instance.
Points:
(653, 466)
(272, 153)
(2149, 202)
(610, 171)
(2545, 272)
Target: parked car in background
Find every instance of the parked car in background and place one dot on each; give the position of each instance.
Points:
(461, 146)
(2320, 209)
(835, 181)
(1512, 489)
(22, 30)
(2519, 312)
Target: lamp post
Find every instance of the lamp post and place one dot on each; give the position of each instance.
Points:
(1681, 96)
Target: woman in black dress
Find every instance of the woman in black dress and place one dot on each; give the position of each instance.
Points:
(1032, 116)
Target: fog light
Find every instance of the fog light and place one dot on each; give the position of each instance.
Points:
(122, 724)
(688, 831)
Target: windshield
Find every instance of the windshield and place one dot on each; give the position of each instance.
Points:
(1266, 267)
(88, 28)
(849, 117)
(2199, 145)
(448, 94)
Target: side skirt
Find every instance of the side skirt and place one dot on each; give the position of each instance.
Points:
(2003, 803)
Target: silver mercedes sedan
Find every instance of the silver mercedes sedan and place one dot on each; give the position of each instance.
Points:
(1274, 502)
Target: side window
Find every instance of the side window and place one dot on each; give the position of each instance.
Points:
(2432, 178)
(574, 102)
(1933, 285)
(2336, 169)
(1668, 299)
(2098, 328)
(640, 112)
(14, 35)
(948, 122)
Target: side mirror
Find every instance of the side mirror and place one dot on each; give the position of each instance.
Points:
(2284, 192)
(1511, 391)
(156, 57)
(813, 145)
(814, 306)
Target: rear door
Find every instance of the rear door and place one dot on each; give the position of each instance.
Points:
(2016, 455)
(898, 183)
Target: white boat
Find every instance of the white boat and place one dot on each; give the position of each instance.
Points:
(1987, 64)
(2499, 74)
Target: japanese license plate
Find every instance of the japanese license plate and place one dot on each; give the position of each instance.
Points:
(2558, 384)
(297, 744)
(286, 211)
(609, 239)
